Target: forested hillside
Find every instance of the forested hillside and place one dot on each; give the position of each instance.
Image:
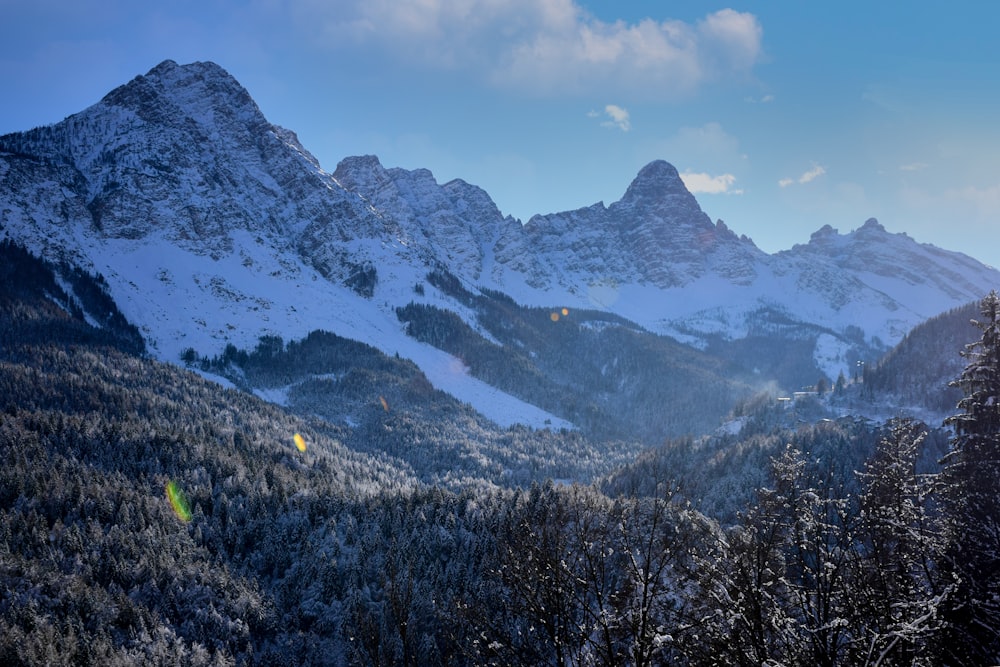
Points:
(385, 406)
(927, 359)
(151, 517)
(607, 375)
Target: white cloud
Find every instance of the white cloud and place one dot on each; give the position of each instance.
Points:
(619, 117)
(657, 59)
(812, 174)
(701, 183)
(806, 177)
(913, 166)
(545, 46)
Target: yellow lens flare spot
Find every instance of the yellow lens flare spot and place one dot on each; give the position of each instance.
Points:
(300, 442)
(565, 312)
(385, 404)
(178, 501)
(554, 317)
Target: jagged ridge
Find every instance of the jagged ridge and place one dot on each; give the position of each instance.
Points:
(212, 225)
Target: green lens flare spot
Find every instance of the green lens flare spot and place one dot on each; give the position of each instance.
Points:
(178, 501)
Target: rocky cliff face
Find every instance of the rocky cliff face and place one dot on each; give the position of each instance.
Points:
(655, 235)
(872, 251)
(455, 224)
(182, 153)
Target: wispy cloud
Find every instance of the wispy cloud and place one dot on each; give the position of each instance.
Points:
(913, 166)
(617, 117)
(546, 46)
(702, 183)
(806, 177)
(812, 174)
(766, 99)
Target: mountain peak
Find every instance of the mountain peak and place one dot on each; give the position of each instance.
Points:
(872, 225)
(200, 89)
(170, 70)
(824, 234)
(655, 181)
(361, 172)
(165, 67)
(658, 185)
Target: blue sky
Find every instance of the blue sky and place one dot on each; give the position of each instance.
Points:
(782, 116)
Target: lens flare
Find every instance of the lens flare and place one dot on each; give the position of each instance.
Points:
(300, 442)
(385, 404)
(565, 312)
(178, 501)
(554, 317)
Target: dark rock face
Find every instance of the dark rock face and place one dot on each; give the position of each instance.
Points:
(184, 153)
(455, 224)
(656, 234)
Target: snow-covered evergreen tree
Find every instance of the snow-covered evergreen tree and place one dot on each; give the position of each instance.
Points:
(971, 501)
(896, 586)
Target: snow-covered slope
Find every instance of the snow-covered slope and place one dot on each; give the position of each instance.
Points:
(212, 225)
(656, 258)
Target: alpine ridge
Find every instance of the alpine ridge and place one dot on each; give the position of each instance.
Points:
(213, 226)
(655, 235)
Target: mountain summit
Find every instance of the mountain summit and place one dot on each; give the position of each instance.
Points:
(213, 226)
(181, 153)
(659, 185)
(201, 91)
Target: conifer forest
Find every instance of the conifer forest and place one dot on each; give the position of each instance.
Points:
(150, 516)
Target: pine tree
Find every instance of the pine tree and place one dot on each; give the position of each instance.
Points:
(970, 496)
(895, 584)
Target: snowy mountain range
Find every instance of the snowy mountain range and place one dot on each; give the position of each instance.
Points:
(212, 226)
